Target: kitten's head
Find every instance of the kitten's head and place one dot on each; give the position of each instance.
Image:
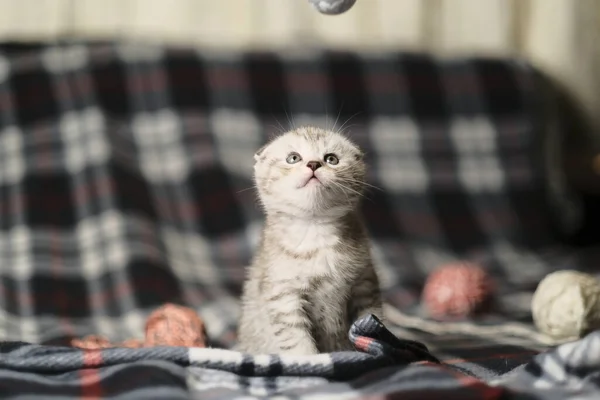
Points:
(309, 172)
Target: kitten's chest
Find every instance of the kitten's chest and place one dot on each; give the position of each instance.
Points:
(308, 238)
(305, 251)
(322, 262)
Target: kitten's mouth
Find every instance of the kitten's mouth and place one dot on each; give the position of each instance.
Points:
(313, 180)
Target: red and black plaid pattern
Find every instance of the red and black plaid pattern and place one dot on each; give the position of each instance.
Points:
(125, 176)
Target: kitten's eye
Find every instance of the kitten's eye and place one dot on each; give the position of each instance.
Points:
(331, 159)
(293, 158)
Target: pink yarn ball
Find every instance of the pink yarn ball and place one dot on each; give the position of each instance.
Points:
(457, 289)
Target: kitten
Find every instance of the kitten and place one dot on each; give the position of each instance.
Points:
(312, 275)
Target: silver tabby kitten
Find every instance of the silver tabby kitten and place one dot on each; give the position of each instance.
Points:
(312, 275)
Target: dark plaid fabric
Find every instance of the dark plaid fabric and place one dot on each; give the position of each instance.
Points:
(125, 181)
(385, 366)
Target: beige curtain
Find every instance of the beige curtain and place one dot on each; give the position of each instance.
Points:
(562, 37)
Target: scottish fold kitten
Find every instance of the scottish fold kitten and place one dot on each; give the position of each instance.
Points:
(312, 274)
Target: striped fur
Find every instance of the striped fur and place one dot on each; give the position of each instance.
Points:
(312, 274)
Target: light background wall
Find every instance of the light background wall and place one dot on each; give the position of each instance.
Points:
(562, 37)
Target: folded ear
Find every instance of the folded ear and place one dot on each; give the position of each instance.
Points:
(259, 152)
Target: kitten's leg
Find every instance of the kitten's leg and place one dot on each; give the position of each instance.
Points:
(365, 297)
(331, 318)
(290, 323)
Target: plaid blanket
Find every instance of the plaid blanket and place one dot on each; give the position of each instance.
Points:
(125, 183)
(381, 370)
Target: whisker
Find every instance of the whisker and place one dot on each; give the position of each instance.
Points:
(347, 132)
(246, 189)
(345, 194)
(348, 120)
(344, 187)
(337, 185)
(350, 180)
(279, 129)
(276, 128)
(283, 130)
(290, 121)
(338, 116)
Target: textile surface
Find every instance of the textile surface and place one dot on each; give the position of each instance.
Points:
(378, 370)
(125, 183)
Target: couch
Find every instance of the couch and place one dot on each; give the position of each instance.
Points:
(126, 184)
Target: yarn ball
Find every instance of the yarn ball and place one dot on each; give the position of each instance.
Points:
(458, 289)
(169, 325)
(173, 325)
(566, 304)
(332, 7)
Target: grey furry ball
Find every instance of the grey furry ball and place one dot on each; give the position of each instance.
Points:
(332, 7)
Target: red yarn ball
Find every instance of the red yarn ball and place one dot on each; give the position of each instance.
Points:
(458, 289)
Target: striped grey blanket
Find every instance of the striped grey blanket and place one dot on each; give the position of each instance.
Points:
(383, 366)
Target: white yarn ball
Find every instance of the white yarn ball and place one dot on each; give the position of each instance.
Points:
(566, 304)
(332, 7)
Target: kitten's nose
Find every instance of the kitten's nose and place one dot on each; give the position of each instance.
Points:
(314, 165)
